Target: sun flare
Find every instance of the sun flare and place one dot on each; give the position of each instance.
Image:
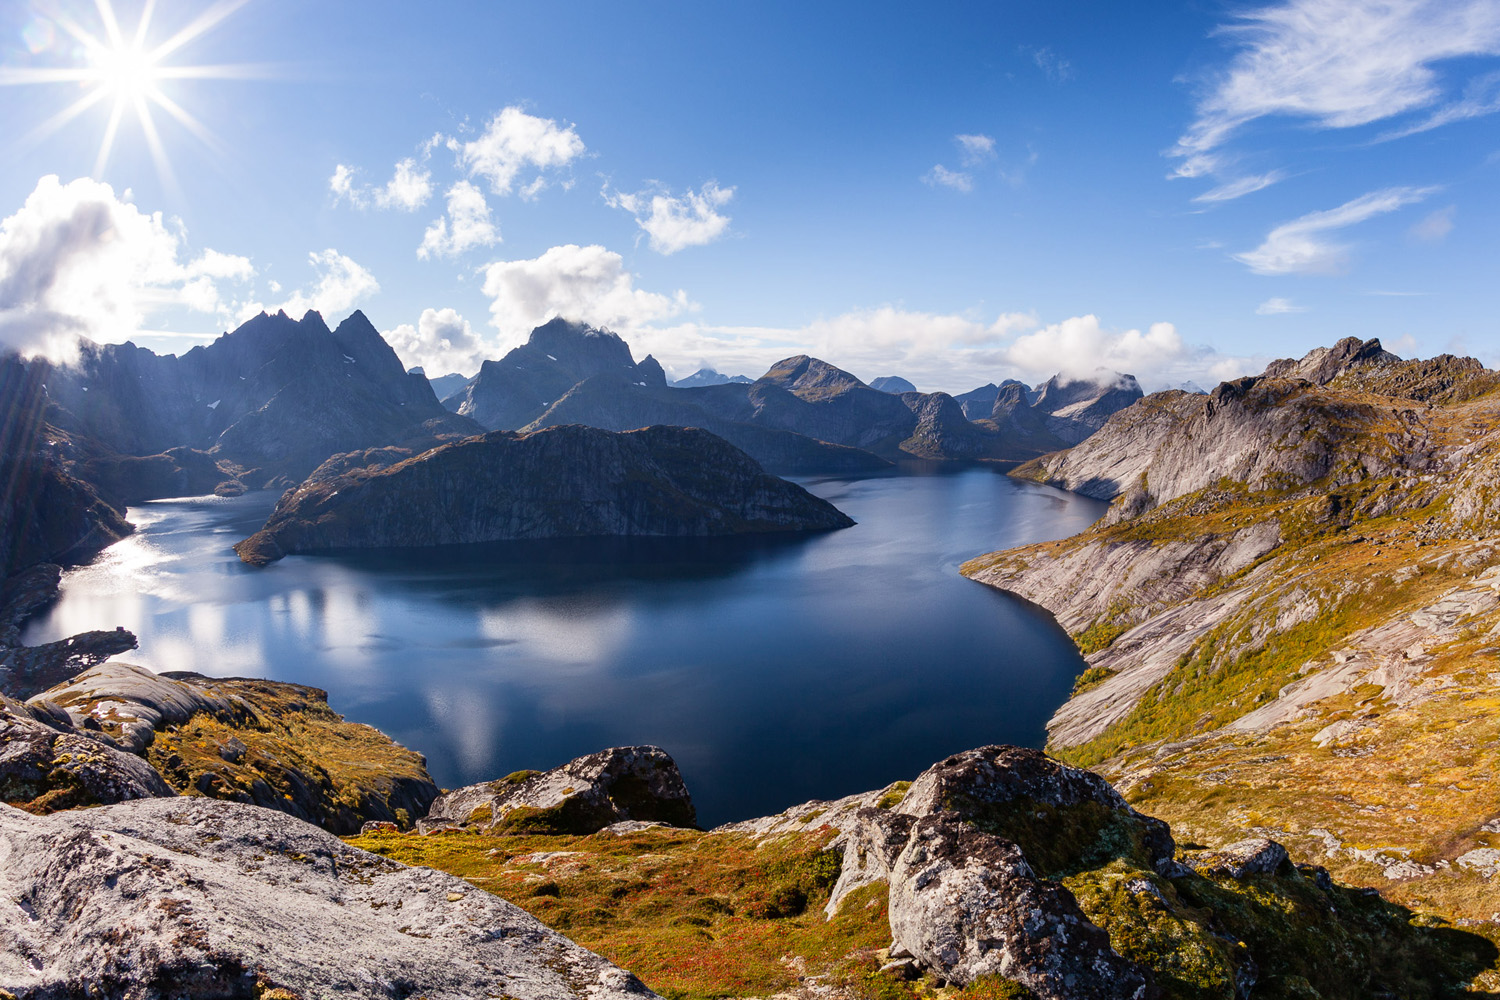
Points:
(125, 71)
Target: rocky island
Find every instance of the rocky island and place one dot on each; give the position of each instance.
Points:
(562, 482)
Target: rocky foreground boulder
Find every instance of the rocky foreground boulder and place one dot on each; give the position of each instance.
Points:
(562, 482)
(975, 854)
(620, 785)
(208, 899)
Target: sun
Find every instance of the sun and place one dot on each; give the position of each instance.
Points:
(124, 71)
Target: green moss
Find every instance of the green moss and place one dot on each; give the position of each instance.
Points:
(894, 795)
(1101, 634)
(996, 988)
(1061, 840)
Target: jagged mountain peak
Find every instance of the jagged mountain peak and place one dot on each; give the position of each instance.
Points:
(1322, 365)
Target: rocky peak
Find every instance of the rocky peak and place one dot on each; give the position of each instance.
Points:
(806, 376)
(650, 373)
(892, 383)
(577, 347)
(1322, 365)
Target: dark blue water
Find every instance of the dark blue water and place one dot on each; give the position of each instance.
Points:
(773, 671)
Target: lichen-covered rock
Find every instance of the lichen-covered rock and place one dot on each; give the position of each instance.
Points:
(561, 482)
(975, 852)
(46, 765)
(1240, 859)
(264, 742)
(967, 904)
(193, 897)
(582, 796)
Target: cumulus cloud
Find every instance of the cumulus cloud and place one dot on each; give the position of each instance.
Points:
(76, 261)
(1300, 247)
(341, 284)
(466, 225)
(409, 188)
(674, 223)
(1340, 64)
(1435, 226)
(513, 141)
(590, 284)
(441, 341)
(941, 176)
(1277, 307)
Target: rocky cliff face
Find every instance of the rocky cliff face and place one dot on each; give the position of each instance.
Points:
(563, 482)
(1296, 583)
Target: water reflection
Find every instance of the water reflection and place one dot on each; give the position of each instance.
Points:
(775, 670)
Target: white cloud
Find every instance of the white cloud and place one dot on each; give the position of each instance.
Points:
(75, 260)
(940, 175)
(947, 352)
(441, 342)
(1298, 247)
(1055, 68)
(1080, 346)
(1435, 226)
(1241, 186)
(589, 284)
(467, 224)
(672, 223)
(1340, 64)
(975, 149)
(1277, 307)
(513, 141)
(408, 189)
(342, 284)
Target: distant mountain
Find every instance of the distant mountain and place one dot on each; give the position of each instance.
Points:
(802, 416)
(444, 385)
(1191, 387)
(510, 393)
(707, 376)
(980, 403)
(1077, 407)
(892, 383)
(562, 482)
(262, 405)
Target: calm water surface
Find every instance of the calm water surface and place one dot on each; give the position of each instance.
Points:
(774, 672)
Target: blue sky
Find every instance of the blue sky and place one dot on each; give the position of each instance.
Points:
(956, 193)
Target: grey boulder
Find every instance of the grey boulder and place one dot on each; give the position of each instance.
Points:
(584, 795)
(211, 899)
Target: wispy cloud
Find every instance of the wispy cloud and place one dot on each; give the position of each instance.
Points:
(1240, 187)
(675, 223)
(941, 176)
(1340, 64)
(1299, 246)
(1435, 226)
(975, 149)
(1278, 307)
(1055, 68)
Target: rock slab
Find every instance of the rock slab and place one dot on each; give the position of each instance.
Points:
(195, 897)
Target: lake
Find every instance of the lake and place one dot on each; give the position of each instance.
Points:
(773, 670)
